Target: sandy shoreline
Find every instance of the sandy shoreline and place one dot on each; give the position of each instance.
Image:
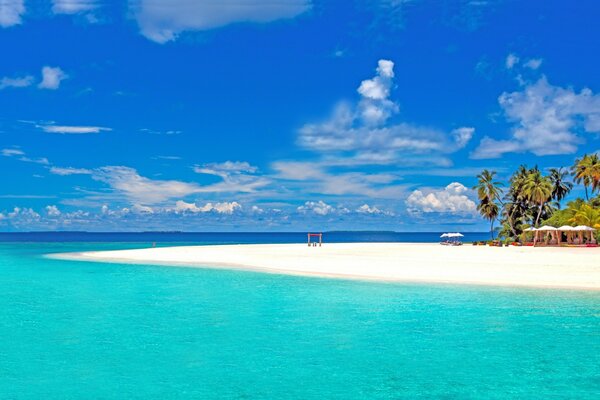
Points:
(577, 268)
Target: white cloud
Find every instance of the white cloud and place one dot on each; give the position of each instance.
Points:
(547, 120)
(52, 211)
(69, 171)
(51, 78)
(237, 176)
(378, 88)
(319, 208)
(12, 152)
(533, 63)
(142, 190)
(462, 135)
(367, 209)
(452, 199)
(182, 207)
(11, 12)
(73, 130)
(225, 169)
(20, 82)
(20, 155)
(163, 20)
(511, 61)
(141, 209)
(363, 130)
(222, 208)
(73, 6)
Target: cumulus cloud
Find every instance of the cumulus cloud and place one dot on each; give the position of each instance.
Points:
(52, 211)
(222, 208)
(11, 12)
(51, 78)
(73, 6)
(19, 82)
(73, 130)
(163, 20)
(219, 208)
(364, 131)
(318, 207)
(452, 199)
(547, 120)
(367, 209)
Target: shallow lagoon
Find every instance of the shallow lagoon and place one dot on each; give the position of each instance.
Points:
(88, 330)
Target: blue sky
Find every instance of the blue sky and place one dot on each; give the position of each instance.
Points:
(284, 115)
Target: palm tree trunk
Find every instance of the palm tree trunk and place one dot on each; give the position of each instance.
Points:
(587, 198)
(537, 219)
(492, 229)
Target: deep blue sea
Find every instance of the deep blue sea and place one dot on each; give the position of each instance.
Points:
(77, 330)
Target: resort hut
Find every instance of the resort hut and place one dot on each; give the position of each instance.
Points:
(583, 229)
(568, 230)
(547, 231)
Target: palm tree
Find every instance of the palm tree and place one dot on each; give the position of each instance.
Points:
(538, 190)
(586, 215)
(489, 193)
(582, 172)
(486, 187)
(560, 186)
(489, 210)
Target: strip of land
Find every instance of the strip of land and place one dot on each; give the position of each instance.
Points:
(550, 267)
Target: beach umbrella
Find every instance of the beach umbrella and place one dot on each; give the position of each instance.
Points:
(458, 234)
(445, 235)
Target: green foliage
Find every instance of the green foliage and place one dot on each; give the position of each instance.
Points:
(533, 199)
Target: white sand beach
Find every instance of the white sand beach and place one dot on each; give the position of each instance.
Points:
(549, 267)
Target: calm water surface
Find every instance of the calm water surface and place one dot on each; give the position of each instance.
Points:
(74, 330)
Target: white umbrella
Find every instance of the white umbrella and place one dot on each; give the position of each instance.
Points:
(455, 234)
(547, 228)
(584, 228)
(445, 235)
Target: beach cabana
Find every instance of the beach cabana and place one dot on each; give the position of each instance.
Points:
(584, 230)
(544, 233)
(568, 230)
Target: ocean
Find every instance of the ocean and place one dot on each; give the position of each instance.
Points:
(77, 330)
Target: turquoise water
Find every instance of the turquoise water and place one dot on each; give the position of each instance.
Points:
(73, 330)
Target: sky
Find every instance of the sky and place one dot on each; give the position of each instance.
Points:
(275, 115)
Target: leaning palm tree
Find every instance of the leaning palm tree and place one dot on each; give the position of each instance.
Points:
(560, 185)
(538, 190)
(489, 210)
(487, 187)
(582, 172)
(489, 194)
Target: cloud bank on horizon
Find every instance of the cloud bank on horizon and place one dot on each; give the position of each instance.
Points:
(283, 115)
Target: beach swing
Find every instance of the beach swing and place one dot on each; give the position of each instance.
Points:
(315, 235)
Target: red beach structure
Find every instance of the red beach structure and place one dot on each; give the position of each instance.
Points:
(319, 235)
